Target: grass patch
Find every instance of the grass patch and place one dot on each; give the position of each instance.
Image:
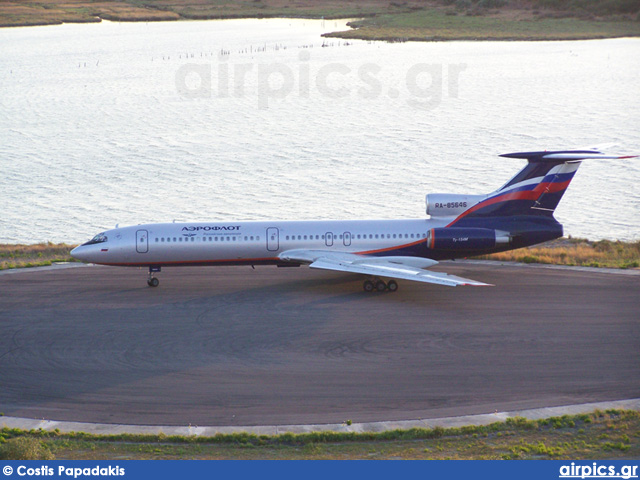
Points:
(38, 255)
(612, 434)
(443, 24)
(46, 12)
(24, 448)
(576, 252)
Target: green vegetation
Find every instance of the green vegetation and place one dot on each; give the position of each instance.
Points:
(611, 434)
(576, 252)
(381, 19)
(24, 448)
(443, 24)
(38, 255)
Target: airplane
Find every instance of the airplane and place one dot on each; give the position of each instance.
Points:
(518, 214)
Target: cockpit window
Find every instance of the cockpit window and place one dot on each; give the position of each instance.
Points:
(100, 238)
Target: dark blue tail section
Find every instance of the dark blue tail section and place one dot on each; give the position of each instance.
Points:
(518, 214)
(535, 190)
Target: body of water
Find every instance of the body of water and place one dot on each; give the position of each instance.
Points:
(125, 123)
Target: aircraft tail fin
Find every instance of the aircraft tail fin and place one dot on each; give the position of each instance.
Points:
(538, 187)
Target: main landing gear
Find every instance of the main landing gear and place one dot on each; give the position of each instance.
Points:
(151, 280)
(377, 285)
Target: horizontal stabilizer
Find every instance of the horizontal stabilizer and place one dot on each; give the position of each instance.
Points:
(564, 155)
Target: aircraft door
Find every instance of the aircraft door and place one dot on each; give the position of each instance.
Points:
(347, 239)
(142, 241)
(273, 239)
(328, 239)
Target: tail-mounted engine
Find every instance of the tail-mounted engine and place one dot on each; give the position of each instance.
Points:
(450, 205)
(465, 238)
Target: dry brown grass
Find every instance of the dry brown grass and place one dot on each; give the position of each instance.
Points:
(47, 12)
(40, 254)
(50, 12)
(580, 252)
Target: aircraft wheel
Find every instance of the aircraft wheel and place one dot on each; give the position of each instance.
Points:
(381, 286)
(392, 285)
(153, 282)
(368, 286)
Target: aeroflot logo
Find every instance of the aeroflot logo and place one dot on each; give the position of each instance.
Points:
(211, 229)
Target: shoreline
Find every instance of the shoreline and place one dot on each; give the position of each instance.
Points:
(354, 33)
(411, 21)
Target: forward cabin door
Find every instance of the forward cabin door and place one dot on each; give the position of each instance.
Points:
(142, 241)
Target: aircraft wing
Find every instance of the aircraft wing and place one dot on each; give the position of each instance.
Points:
(405, 268)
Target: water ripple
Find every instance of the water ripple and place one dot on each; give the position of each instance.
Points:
(94, 131)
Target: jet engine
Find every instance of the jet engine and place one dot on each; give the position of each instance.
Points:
(465, 238)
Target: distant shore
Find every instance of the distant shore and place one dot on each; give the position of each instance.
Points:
(395, 21)
(563, 251)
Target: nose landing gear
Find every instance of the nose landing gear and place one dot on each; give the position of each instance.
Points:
(377, 285)
(151, 280)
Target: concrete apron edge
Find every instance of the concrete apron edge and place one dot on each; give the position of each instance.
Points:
(429, 423)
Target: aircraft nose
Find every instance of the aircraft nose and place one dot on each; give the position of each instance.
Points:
(80, 253)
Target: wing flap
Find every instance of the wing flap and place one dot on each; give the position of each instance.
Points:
(404, 268)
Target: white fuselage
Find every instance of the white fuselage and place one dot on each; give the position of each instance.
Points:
(198, 243)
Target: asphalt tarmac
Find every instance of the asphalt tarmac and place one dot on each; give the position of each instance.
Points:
(235, 346)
